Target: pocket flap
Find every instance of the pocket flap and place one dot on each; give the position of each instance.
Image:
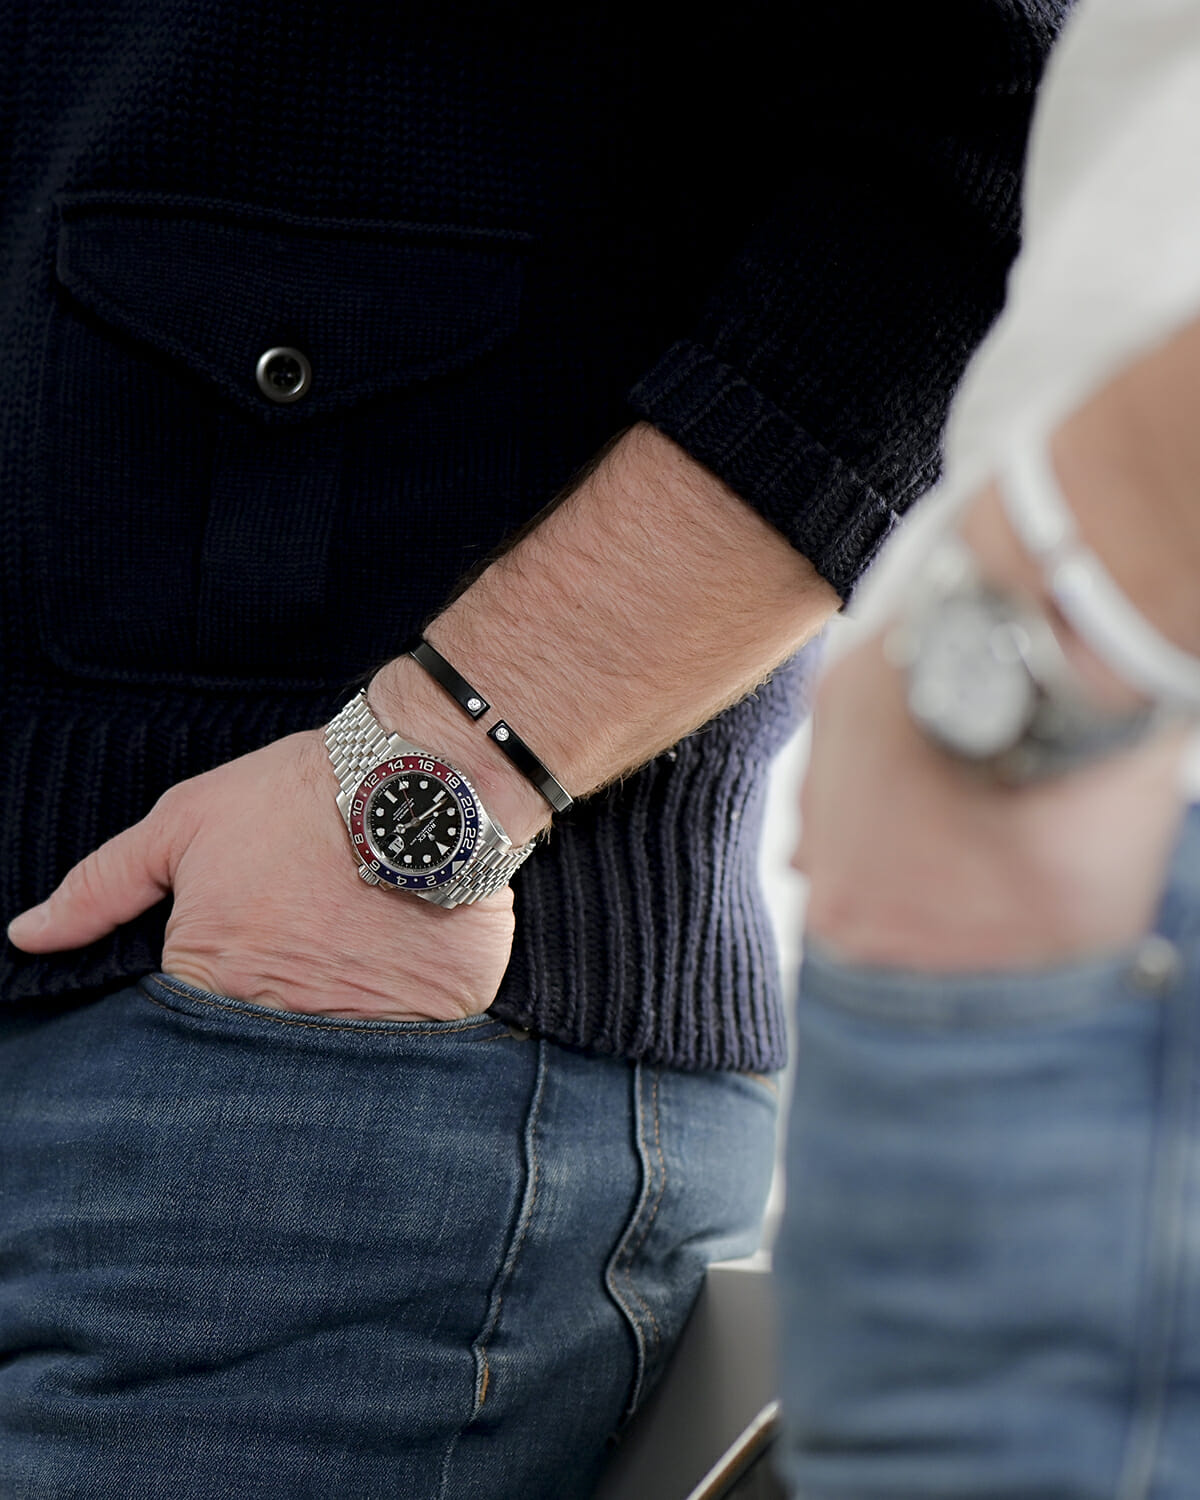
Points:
(373, 306)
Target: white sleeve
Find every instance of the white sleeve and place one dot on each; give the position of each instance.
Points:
(1110, 258)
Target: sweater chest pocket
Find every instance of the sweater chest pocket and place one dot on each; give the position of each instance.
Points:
(265, 441)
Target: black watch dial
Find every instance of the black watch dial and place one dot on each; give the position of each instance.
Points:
(414, 822)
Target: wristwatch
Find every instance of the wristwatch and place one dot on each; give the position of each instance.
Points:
(988, 681)
(415, 821)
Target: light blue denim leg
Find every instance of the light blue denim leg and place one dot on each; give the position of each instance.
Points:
(989, 1267)
(574, 1341)
(253, 1254)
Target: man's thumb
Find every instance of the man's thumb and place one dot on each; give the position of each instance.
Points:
(114, 883)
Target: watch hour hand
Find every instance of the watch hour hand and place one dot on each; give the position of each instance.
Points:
(420, 818)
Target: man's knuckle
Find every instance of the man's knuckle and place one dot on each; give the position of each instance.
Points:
(83, 883)
(170, 803)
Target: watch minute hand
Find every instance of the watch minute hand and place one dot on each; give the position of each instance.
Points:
(420, 818)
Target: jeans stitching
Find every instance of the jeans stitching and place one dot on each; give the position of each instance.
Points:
(764, 1080)
(525, 1217)
(621, 1265)
(1164, 1252)
(284, 1019)
(635, 1250)
(534, 1170)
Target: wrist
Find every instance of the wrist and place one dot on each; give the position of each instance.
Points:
(1004, 564)
(999, 681)
(646, 603)
(407, 701)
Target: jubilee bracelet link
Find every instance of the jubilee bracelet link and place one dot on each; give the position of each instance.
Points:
(357, 742)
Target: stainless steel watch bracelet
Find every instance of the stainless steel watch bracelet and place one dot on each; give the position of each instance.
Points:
(489, 872)
(357, 742)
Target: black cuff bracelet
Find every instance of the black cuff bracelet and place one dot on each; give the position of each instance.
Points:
(502, 734)
(443, 673)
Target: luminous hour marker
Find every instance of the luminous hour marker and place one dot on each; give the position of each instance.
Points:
(403, 785)
(442, 849)
(428, 858)
(450, 832)
(408, 859)
(422, 784)
(390, 798)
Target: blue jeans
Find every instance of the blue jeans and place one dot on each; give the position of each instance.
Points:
(989, 1266)
(256, 1254)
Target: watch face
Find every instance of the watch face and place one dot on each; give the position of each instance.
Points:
(968, 684)
(414, 822)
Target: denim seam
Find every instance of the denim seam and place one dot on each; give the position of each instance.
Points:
(284, 1019)
(529, 1197)
(621, 1265)
(662, 1191)
(1164, 1252)
(635, 1250)
(533, 1183)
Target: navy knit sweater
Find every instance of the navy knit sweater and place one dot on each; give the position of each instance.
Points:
(500, 232)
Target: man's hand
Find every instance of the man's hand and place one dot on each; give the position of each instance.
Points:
(267, 904)
(913, 862)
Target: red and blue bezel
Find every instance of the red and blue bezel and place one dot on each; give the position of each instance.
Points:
(458, 787)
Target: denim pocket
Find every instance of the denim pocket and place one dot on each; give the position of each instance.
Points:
(967, 1001)
(973, 1183)
(762, 1083)
(224, 1013)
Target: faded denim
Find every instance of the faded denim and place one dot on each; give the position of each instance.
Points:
(989, 1264)
(257, 1254)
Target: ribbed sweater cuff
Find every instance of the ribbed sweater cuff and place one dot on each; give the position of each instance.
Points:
(644, 934)
(823, 508)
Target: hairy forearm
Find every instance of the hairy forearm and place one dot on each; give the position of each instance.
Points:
(651, 599)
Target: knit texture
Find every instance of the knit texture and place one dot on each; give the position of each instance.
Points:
(486, 225)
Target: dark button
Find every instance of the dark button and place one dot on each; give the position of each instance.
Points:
(283, 375)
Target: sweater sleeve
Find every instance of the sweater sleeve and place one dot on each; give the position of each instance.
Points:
(817, 379)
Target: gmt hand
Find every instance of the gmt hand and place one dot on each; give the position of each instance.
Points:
(420, 818)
